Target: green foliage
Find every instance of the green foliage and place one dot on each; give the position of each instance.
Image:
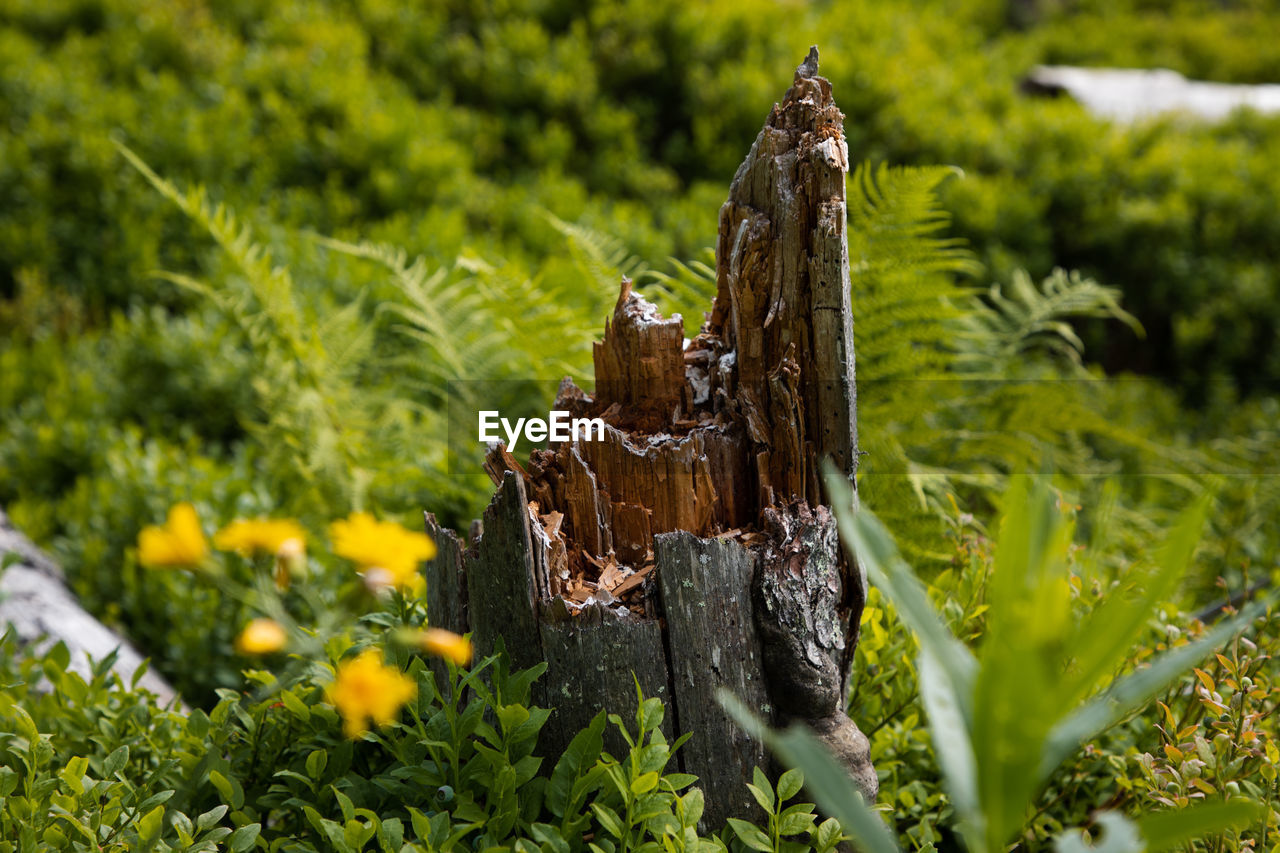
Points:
(88, 764)
(524, 155)
(784, 821)
(1125, 768)
(1002, 721)
(447, 129)
(95, 762)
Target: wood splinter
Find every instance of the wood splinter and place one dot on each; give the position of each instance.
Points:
(690, 546)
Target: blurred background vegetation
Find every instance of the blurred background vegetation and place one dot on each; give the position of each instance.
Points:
(246, 245)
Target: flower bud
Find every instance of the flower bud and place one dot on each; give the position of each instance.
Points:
(261, 637)
(378, 580)
(291, 562)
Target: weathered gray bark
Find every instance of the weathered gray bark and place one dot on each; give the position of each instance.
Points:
(714, 644)
(501, 598)
(39, 608)
(689, 549)
(595, 655)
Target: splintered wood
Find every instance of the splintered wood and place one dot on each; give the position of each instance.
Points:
(686, 549)
(704, 435)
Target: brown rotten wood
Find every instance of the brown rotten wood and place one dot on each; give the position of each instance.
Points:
(689, 549)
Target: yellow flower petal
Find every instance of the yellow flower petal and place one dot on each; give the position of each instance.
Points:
(262, 535)
(367, 690)
(446, 644)
(386, 553)
(180, 543)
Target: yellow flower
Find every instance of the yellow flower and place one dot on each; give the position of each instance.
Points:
(180, 543)
(367, 690)
(261, 637)
(446, 644)
(285, 539)
(386, 554)
(264, 535)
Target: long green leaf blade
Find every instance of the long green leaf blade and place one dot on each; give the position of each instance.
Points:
(826, 781)
(868, 544)
(1166, 830)
(1135, 689)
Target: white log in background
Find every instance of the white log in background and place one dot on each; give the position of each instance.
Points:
(35, 601)
(1133, 94)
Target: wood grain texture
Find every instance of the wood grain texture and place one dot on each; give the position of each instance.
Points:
(712, 642)
(594, 661)
(446, 581)
(705, 487)
(499, 579)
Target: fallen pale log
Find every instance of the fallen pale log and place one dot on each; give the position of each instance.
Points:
(39, 608)
(1131, 94)
(689, 550)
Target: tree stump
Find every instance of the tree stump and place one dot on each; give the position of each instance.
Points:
(689, 550)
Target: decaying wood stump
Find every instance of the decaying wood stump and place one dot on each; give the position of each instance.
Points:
(689, 548)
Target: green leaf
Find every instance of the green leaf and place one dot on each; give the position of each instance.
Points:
(829, 834)
(645, 783)
(761, 781)
(763, 796)
(693, 804)
(316, 762)
(550, 836)
(608, 819)
(81, 828)
(139, 672)
(230, 789)
(210, 818)
(155, 800)
(797, 819)
(421, 824)
(582, 753)
(391, 833)
(150, 826)
(869, 545)
(355, 834)
(1169, 829)
(243, 838)
(59, 656)
(115, 762)
(344, 803)
(1137, 688)
(951, 740)
(679, 780)
(295, 705)
(751, 835)
(198, 724)
(789, 784)
(1104, 638)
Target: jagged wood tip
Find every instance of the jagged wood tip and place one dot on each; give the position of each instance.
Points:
(809, 68)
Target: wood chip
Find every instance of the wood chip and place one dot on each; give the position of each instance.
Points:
(632, 582)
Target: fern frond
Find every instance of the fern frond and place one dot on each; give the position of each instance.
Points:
(688, 291)
(604, 257)
(1024, 318)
